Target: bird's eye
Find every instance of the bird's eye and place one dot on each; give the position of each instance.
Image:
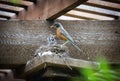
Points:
(52, 39)
(57, 25)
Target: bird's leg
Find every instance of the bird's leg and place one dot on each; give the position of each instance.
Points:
(64, 43)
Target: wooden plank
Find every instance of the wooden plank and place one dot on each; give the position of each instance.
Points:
(2, 76)
(32, 1)
(24, 4)
(68, 6)
(65, 17)
(20, 39)
(100, 10)
(13, 8)
(52, 9)
(7, 15)
(95, 12)
(2, 18)
(77, 16)
(57, 72)
(92, 16)
(104, 4)
(19, 11)
(113, 1)
(4, 73)
(39, 63)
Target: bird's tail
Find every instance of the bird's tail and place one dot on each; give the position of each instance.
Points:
(77, 47)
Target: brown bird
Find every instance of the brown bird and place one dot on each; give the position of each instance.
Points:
(63, 34)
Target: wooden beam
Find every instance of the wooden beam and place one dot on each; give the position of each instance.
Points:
(113, 1)
(95, 12)
(7, 15)
(12, 8)
(104, 4)
(100, 10)
(20, 39)
(65, 17)
(24, 4)
(52, 9)
(5, 73)
(45, 9)
(22, 8)
(87, 15)
(39, 63)
(58, 9)
(2, 18)
(32, 1)
(77, 16)
(19, 11)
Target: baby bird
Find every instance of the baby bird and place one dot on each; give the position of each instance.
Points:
(51, 40)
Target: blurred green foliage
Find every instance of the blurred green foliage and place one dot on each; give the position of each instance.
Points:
(103, 73)
(15, 1)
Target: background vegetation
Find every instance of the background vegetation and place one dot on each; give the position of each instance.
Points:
(103, 73)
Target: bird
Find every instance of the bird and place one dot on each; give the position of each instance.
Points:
(51, 40)
(63, 34)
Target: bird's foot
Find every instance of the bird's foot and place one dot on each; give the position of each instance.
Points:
(61, 46)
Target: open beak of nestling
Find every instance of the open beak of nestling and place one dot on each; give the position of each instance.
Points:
(52, 26)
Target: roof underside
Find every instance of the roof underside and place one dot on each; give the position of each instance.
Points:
(90, 10)
(95, 10)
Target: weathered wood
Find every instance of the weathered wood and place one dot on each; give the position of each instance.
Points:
(24, 4)
(38, 63)
(65, 17)
(114, 1)
(86, 15)
(7, 15)
(2, 18)
(104, 4)
(81, 17)
(56, 72)
(13, 9)
(20, 39)
(95, 12)
(21, 9)
(27, 6)
(52, 9)
(97, 9)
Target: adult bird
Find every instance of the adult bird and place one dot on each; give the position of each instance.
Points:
(63, 34)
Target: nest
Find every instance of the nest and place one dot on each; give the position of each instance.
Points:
(53, 50)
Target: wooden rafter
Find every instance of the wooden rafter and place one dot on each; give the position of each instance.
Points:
(24, 4)
(113, 1)
(52, 9)
(95, 12)
(78, 16)
(103, 4)
(88, 15)
(7, 15)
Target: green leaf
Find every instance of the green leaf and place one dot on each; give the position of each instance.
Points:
(15, 1)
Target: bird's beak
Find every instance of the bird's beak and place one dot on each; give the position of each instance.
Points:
(52, 26)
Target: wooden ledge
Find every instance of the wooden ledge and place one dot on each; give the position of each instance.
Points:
(39, 63)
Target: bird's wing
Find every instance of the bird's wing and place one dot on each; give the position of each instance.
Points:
(66, 34)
